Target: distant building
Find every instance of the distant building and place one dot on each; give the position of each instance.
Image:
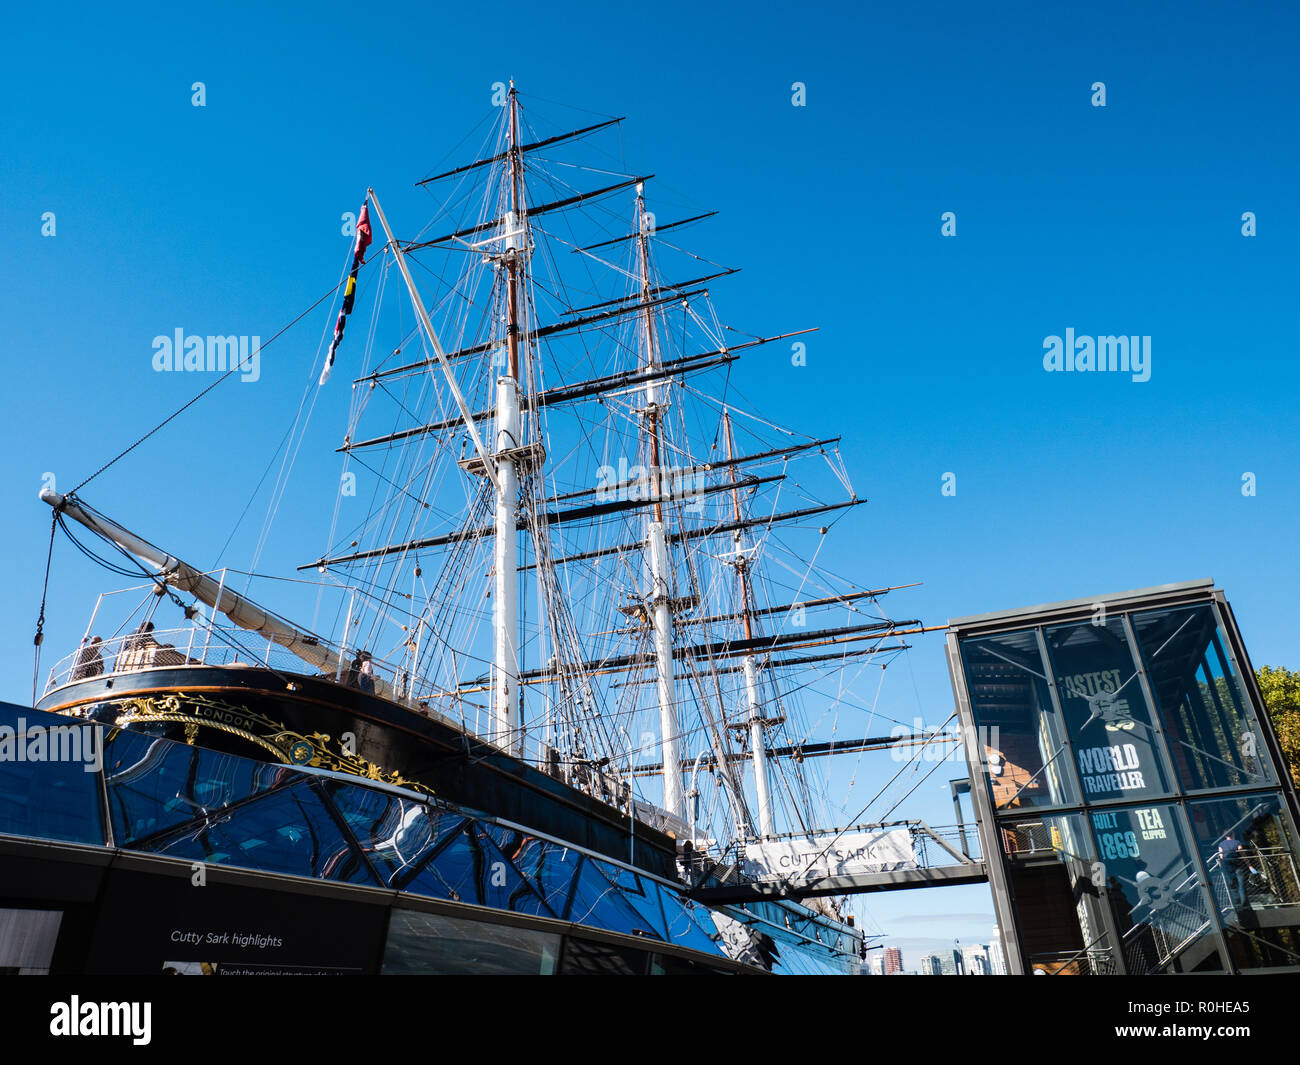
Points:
(874, 965)
(953, 964)
(976, 960)
(997, 962)
(893, 961)
(932, 965)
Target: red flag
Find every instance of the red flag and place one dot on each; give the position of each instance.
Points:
(363, 230)
(363, 242)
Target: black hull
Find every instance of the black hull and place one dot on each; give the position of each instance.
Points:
(253, 713)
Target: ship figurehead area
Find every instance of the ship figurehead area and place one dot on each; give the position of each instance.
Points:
(198, 715)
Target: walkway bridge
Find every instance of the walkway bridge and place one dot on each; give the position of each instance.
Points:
(930, 857)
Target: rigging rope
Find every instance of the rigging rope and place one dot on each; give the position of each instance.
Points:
(40, 620)
(177, 413)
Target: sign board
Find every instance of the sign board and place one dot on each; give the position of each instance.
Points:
(849, 854)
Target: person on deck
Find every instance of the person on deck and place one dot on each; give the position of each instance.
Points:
(366, 674)
(89, 663)
(353, 672)
(139, 636)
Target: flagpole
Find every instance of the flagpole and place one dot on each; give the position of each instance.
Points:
(489, 466)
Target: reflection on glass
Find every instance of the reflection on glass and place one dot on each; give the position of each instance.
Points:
(467, 866)
(1021, 733)
(1115, 747)
(425, 943)
(288, 830)
(1158, 902)
(47, 799)
(1249, 854)
(1071, 933)
(1209, 725)
(551, 868)
(398, 834)
(155, 784)
(670, 915)
(596, 901)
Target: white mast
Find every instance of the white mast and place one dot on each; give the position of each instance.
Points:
(754, 705)
(757, 743)
(505, 614)
(660, 598)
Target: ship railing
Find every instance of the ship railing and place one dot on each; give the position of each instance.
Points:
(128, 654)
(1086, 962)
(199, 645)
(1268, 879)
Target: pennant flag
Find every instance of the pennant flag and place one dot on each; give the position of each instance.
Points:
(364, 237)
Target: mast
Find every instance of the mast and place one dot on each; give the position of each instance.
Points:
(656, 544)
(505, 615)
(757, 723)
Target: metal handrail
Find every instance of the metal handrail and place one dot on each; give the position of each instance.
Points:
(201, 646)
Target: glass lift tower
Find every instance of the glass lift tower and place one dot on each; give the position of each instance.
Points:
(1135, 812)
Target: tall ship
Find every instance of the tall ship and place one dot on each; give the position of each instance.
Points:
(572, 673)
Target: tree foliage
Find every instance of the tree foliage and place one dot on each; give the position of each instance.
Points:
(1281, 689)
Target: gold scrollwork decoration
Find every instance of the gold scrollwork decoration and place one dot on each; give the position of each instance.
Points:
(198, 711)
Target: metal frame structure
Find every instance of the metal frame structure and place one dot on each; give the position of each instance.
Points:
(990, 820)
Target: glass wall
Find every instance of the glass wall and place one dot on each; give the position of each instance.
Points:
(1212, 730)
(1022, 733)
(1156, 890)
(1106, 713)
(144, 794)
(1248, 850)
(1140, 821)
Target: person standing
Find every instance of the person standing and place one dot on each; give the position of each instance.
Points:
(366, 674)
(89, 663)
(1234, 867)
(352, 675)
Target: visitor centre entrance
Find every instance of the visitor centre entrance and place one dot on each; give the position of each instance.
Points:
(1134, 809)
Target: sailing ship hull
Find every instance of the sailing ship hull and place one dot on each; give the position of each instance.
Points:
(315, 722)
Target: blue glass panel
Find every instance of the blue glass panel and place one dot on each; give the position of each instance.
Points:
(289, 830)
(599, 903)
(643, 896)
(700, 919)
(467, 866)
(396, 833)
(1116, 749)
(1213, 737)
(48, 785)
(673, 918)
(155, 784)
(791, 960)
(549, 867)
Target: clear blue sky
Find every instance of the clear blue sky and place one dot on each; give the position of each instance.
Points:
(1117, 220)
